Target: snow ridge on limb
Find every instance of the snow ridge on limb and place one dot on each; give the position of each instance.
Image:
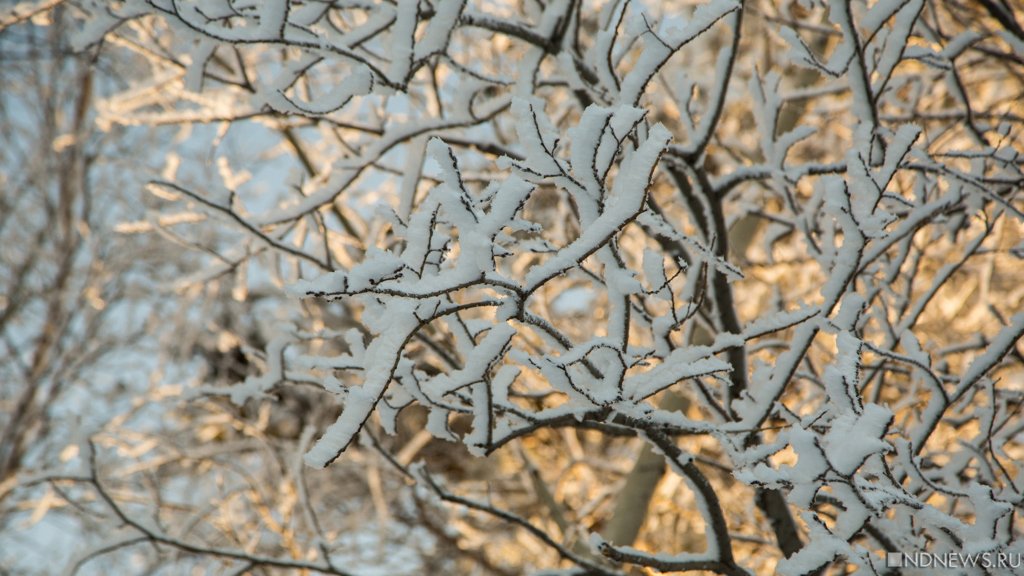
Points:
(622, 205)
(416, 286)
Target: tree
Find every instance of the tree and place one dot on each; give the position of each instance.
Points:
(65, 317)
(727, 288)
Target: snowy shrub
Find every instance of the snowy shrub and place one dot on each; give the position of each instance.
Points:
(770, 247)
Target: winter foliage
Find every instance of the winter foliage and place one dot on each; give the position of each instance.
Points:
(776, 245)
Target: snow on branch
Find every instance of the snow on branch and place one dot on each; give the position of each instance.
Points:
(774, 246)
